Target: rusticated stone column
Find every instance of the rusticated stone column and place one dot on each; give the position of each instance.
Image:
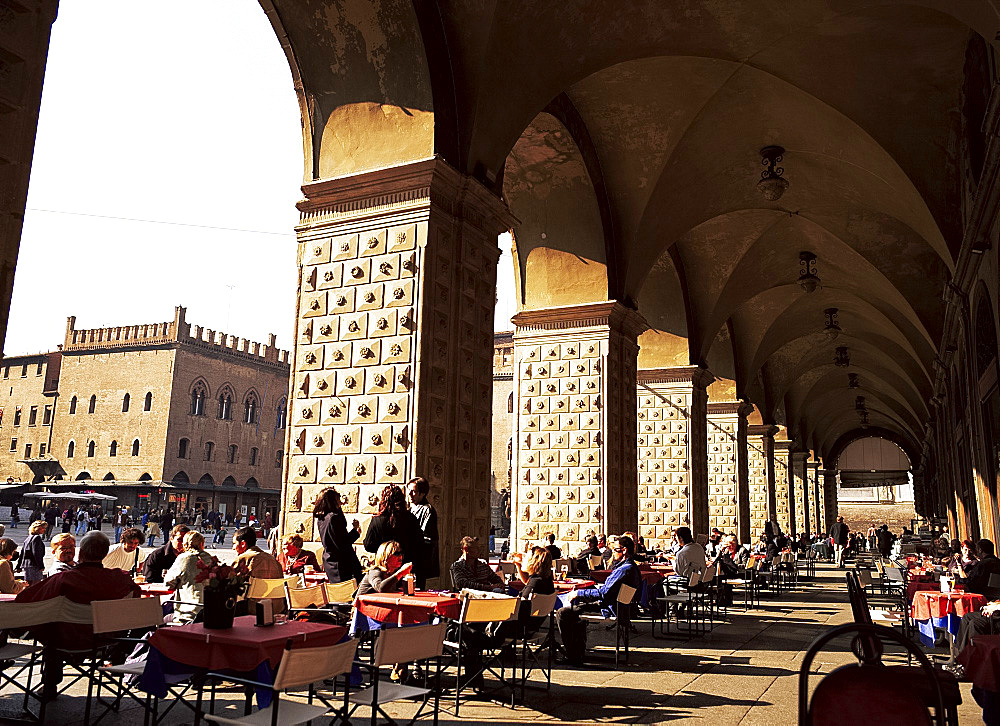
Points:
(830, 497)
(812, 498)
(800, 508)
(783, 500)
(673, 461)
(576, 456)
(393, 365)
(760, 456)
(728, 469)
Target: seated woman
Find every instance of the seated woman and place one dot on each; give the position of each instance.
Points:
(182, 576)
(293, 559)
(539, 581)
(8, 585)
(963, 558)
(64, 554)
(388, 571)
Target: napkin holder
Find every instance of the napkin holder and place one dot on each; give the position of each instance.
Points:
(945, 584)
(265, 613)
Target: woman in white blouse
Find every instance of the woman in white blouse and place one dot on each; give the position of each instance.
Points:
(181, 576)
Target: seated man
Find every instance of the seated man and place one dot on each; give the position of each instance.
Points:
(469, 572)
(161, 559)
(293, 558)
(125, 554)
(583, 558)
(977, 578)
(64, 553)
(87, 582)
(260, 563)
(690, 557)
(624, 572)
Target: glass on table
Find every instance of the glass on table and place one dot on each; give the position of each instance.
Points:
(280, 618)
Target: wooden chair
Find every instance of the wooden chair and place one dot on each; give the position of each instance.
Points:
(301, 668)
(596, 562)
(540, 643)
(623, 619)
(417, 644)
(479, 612)
(271, 589)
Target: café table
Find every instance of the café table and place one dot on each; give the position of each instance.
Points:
(650, 578)
(933, 609)
(376, 610)
(981, 660)
(243, 649)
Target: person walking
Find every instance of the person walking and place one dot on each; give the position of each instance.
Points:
(15, 516)
(82, 520)
(33, 553)
(839, 533)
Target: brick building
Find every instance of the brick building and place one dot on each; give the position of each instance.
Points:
(159, 414)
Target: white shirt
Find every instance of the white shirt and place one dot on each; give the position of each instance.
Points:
(119, 559)
(691, 557)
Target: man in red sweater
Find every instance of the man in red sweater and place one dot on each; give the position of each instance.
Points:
(87, 582)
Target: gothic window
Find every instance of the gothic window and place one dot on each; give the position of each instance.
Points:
(147, 405)
(70, 449)
(72, 405)
(135, 447)
(226, 404)
(232, 453)
(510, 403)
(198, 394)
(281, 415)
(209, 450)
(182, 449)
(91, 448)
(113, 450)
(93, 404)
(250, 408)
(125, 403)
(253, 456)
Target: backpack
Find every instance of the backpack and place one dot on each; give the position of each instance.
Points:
(573, 633)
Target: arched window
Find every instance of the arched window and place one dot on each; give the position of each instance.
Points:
(146, 477)
(198, 394)
(209, 450)
(510, 403)
(226, 404)
(91, 448)
(232, 453)
(109, 477)
(253, 456)
(70, 449)
(72, 405)
(281, 415)
(229, 482)
(113, 449)
(182, 449)
(147, 404)
(93, 404)
(250, 408)
(135, 447)
(126, 400)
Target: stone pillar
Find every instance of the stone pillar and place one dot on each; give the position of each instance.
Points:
(673, 464)
(728, 469)
(812, 489)
(800, 508)
(782, 485)
(392, 376)
(829, 498)
(760, 457)
(576, 401)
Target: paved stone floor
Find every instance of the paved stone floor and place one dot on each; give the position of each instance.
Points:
(744, 672)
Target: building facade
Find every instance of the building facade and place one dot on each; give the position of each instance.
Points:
(165, 414)
(503, 430)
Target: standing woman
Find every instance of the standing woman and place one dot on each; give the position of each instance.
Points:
(33, 552)
(339, 558)
(417, 490)
(394, 522)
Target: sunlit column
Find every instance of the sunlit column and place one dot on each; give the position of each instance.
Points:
(800, 511)
(783, 504)
(760, 457)
(728, 472)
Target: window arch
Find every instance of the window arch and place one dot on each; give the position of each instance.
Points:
(70, 449)
(229, 482)
(147, 404)
(252, 483)
(207, 480)
(182, 448)
(146, 477)
(91, 448)
(126, 401)
(113, 449)
(226, 403)
(510, 403)
(181, 477)
(109, 476)
(72, 405)
(93, 404)
(209, 450)
(199, 392)
(135, 447)
(250, 406)
(83, 476)
(281, 415)
(253, 456)
(233, 451)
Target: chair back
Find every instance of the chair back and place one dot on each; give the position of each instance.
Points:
(625, 594)
(305, 597)
(865, 578)
(596, 562)
(710, 573)
(540, 606)
(694, 579)
(559, 565)
(340, 592)
(894, 574)
(405, 645)
(488, 610)
(880, 567)
(54, 610)
(261, 587)
(508, 568)
(776, 562)
(876, 693)
(302, 666)
(110, 616)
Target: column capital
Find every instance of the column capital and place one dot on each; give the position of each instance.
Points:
(609, 314)
(784, 446)
(730, 408)
(698, 377)
(766, 430)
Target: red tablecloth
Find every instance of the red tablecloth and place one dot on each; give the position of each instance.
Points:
(407, 609)
(928, 604)
(981, 658)
(155, 589)
(242, 647)
(560, 586)
(650, 577)
(314, 578)
(915, 586)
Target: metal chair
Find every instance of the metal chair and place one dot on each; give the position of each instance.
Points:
(534, 644)
(688, 599)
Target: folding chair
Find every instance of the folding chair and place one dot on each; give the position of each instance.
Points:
(508, 570)
(560, 566)
(340, 593)
(623, 619)
(675, 601)
(543, 639)
(480, 611)
(299, 668)
(271, 589)
(751, 595)
(403, 645)
(596, 562)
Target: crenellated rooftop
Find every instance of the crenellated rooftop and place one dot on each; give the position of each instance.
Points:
(171, 332)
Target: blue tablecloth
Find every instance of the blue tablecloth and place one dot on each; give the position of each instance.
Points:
(925, 628)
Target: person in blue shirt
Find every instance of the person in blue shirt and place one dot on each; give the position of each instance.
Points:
(624, 572)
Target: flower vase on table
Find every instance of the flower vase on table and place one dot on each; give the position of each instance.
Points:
(224, 585)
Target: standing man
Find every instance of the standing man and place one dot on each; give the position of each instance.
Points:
(550, 546)
(121, 522)
(417, 490)
(839, 533)
(51, 515)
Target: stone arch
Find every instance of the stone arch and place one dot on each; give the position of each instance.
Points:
(180, 477)
(207, 480)
(146, 476)
(252, 483)
(109, 476)
(83, 476)
(229, 482)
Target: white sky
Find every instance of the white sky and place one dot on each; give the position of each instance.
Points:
(178, 111)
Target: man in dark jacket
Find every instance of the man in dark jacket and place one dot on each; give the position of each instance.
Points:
(160, 559)
(839, 532)
(977, 577)
(417, 490)
(884, 539)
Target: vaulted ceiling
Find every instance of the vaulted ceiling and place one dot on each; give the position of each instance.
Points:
(626, 136)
